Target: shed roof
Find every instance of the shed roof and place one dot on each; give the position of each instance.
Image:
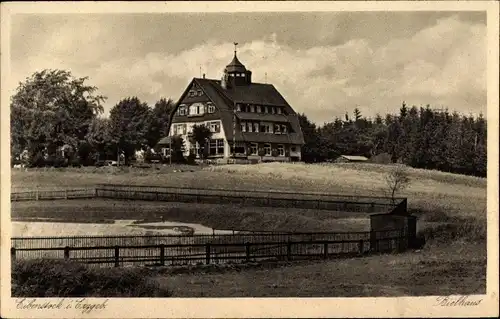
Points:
(354, 157)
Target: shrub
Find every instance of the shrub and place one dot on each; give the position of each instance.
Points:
(191, 158)
(470, 229)
(59, 278)
(382, 158)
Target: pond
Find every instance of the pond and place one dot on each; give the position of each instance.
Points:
(47, 227)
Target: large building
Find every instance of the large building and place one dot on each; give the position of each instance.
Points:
(253, 116)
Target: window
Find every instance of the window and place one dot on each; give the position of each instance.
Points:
(214, 127)
(193, 109)
(182, 110)
(277, 129)
(243, 127)
(211, 108)
(267, 149)
(238, 107)
(216, 147)
(256, 127)
(283, 129)
(281, 150)
(254, 149)
(278, 110)
(252, 108)
(258, 109)
(180, 129)
(212, 147)
(220, 146)
(192, 93)
(250, 127)
(274, 110)
(293, 149)
(266, 128)
(265, 109)
(200, 92)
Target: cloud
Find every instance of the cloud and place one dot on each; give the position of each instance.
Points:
(443, 64)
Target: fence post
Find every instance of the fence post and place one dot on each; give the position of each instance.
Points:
(207, 252)
(117, 256)
(162, 254)
(325, 250)
(13, 253)
(360, 247)
(66, 253)
(247, 251)
(373, 241)
(288, 250)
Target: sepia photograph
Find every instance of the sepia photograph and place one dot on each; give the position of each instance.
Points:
(308, 151)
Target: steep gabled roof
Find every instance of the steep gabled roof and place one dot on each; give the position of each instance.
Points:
(254, 93)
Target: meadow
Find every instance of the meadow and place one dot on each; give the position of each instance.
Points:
(451, 210)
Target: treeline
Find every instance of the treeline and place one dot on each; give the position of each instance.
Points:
(55, 121)
(419, 137)
(53, 111)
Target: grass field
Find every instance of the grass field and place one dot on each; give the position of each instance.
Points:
(451, 211)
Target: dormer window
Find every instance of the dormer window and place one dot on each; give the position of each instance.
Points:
(182, 110)
(258, 109)
(211, 108)
(277, 129)
(278, 110)
(252, 108)
(238, 107)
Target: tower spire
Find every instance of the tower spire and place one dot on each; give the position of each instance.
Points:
(235, 46)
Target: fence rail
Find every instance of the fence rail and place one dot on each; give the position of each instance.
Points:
(53, 194)
(307, 200)
(238, 237)
(215, 252)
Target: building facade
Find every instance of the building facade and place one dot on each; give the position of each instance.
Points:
(248, 120)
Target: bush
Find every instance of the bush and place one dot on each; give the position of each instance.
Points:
(191, 158)
(59, 278)
(382, 158)
(469, 229)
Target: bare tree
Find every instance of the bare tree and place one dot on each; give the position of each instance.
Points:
(396, 180)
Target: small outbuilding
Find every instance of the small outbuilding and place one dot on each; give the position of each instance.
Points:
(350, 159)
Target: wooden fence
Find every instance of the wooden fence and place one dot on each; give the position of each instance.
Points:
(321, 201)
(318, 201)
(218, 249)
(53, 194)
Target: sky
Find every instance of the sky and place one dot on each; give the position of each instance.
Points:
(324, 63)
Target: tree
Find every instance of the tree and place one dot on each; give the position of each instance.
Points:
(310, 150)
(201, 135)
(51, 109)
(177, 151)
(160, 117)
(129, 125)
(396, 180)
(99, 140)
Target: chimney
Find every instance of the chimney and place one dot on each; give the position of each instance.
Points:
(203, 75)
